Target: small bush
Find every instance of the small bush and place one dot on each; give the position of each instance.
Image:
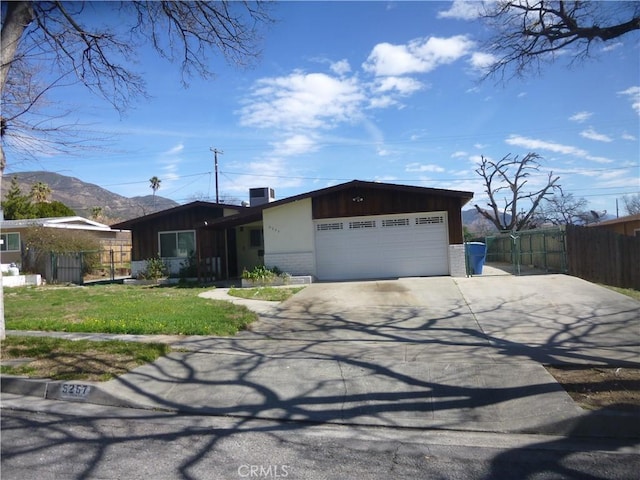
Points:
(262, 275)
(156, 268)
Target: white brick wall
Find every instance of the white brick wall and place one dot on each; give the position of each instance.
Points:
(302, 263)
(457, 265)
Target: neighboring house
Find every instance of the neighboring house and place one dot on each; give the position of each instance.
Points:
(12, 231)
(355, 230)
(629, 225)
(172, 234)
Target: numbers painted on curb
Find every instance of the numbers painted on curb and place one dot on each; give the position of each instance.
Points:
(75, 390)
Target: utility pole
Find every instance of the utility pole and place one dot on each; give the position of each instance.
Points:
(215, 156)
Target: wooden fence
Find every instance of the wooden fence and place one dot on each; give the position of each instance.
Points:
(602, 256)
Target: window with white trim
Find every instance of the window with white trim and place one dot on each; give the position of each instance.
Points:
(10, 242)
(179, 244)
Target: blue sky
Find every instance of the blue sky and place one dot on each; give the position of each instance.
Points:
(380, 91)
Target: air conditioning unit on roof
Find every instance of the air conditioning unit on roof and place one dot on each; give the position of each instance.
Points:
(260, 196)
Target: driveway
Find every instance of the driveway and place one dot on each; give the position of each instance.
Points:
(418, 352)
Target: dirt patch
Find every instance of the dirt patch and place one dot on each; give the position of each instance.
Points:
(595, 388)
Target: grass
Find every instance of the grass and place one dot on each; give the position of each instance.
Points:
(123, 309)
(271, 294)
(60, 359)
(629, 292)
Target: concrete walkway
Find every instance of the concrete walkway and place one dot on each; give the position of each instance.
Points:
(460, 354)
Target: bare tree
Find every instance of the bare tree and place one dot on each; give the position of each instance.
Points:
(62, 36)
(565, 209)
(632, 204)
(65, 37)
(505, 182)
(528, 33)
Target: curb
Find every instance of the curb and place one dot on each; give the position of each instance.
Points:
(72, 391)
(590, 424)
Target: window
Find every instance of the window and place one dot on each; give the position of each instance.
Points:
(396, 222)
(321, 227)
(10, 242)
(177, 244)
(255, 238)
(362, 224)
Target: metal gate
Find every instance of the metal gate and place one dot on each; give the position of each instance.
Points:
(65, 268)
(543, 250)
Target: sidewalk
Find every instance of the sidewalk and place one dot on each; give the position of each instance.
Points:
(364, 366)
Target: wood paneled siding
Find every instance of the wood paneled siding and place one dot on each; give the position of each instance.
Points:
(144, 233)
(361, 201)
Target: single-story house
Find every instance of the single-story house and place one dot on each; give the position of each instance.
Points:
(171, 234)
(628, 225)
(11, 232)
(355, 230)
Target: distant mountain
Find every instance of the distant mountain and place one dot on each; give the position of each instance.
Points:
(82, 197)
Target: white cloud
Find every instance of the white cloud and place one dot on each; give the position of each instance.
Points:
(341, 68)
(174, 150)
(419, 167)
(580, 117)
(402, 85)
(459, 154)
(482, 61)
(295, 145)
(634, 95)
(384, 101)
(535, 144)
(462, 10)
(418, 56)
(591, 134)
(301, 100)
(628, 136)
(612, 46)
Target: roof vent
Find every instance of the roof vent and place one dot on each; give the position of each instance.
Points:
(260, 196)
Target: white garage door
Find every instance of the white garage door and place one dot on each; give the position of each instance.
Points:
(382, 246)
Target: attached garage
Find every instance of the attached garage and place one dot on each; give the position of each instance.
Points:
(359, 230)
(382, 246)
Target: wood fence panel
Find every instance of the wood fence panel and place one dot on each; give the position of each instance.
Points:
(603, 256)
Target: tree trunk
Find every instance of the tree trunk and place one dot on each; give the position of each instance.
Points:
(19, 15)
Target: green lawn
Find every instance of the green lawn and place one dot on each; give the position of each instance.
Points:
(61, 359)
(128, 309)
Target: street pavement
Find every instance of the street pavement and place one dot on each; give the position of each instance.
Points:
(418, 353)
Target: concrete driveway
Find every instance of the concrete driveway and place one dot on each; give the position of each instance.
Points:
(419, 352)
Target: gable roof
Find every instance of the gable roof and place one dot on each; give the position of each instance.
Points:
(71, 223)
(251, 214)
(374, 185)
(171, 211)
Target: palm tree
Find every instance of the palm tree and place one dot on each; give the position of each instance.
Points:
(40, 191)
(155, 185)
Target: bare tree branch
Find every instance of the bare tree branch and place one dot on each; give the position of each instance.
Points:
(528, 33)
(507, 179)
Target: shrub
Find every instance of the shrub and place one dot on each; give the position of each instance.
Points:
(40, 241)
(156, 268)
(263, 275)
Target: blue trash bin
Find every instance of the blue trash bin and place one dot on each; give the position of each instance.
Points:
(476, 254)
